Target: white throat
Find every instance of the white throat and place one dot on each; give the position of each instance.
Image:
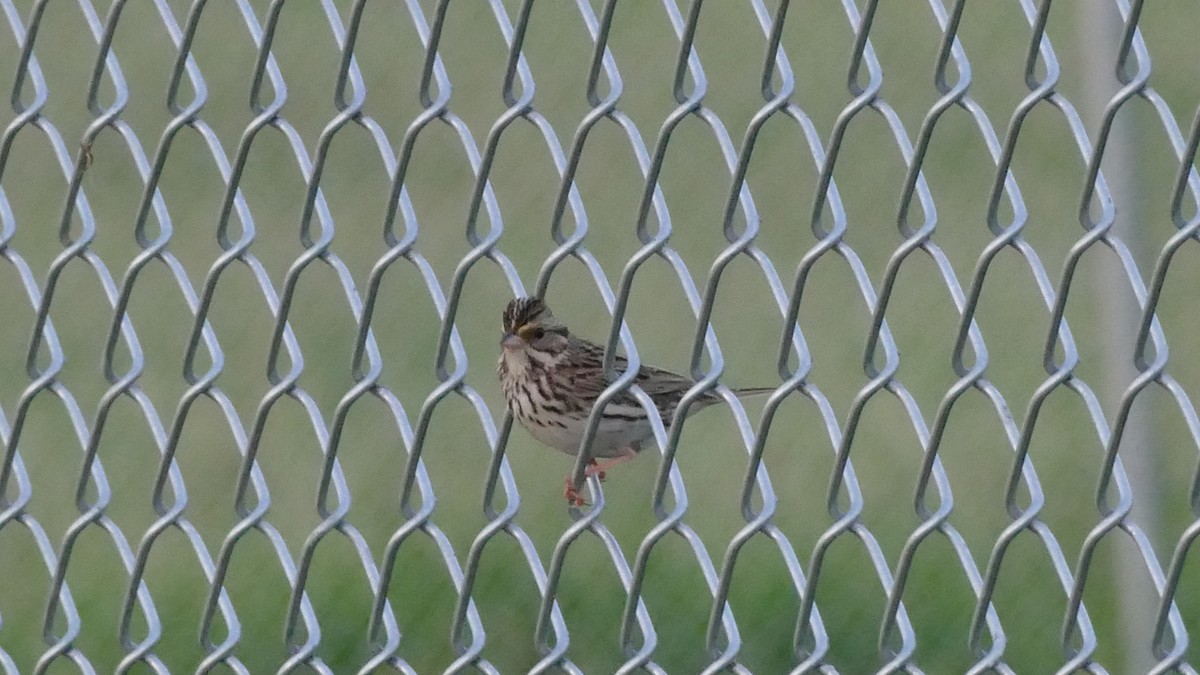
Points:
(516, 361)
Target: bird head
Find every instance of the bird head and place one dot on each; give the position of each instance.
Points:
(530, 329)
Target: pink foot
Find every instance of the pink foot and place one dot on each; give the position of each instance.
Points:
(571, 494)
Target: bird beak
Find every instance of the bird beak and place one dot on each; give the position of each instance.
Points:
(511, 341)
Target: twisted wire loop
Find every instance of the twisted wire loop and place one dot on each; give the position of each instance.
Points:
(311, 638)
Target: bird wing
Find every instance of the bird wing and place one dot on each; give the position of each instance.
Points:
(666, 389)
(663, 387)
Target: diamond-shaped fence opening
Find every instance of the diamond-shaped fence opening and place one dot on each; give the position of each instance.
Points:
(255, 254)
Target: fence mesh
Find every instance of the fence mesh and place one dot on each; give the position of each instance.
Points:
(247, 379)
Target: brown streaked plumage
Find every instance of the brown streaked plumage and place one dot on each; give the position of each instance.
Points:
(551, 380)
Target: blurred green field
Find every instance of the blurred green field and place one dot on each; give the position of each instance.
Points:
(886, 454)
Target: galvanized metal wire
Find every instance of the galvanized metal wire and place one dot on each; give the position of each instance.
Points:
(897, 642)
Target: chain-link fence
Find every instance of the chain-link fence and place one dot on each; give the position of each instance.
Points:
(254, 260)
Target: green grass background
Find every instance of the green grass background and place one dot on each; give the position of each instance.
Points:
(886, 453)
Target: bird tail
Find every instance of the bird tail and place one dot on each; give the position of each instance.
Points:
(753, 391)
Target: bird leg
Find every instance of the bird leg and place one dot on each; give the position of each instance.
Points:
(597, 469)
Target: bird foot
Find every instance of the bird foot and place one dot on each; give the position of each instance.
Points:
(595, 469)
(571, 494)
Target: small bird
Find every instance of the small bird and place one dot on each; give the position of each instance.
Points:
(551, 380)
